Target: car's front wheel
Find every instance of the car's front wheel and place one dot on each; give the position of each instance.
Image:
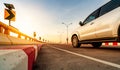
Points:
(96, 44)
(75, 41)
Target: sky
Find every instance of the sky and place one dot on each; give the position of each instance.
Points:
(45, 17)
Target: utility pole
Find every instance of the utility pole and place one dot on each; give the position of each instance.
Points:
(67, 25)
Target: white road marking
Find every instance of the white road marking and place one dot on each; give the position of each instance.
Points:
(90, 58)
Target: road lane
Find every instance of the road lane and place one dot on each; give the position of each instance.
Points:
(109, 53)
(52, 59)
(90, 58)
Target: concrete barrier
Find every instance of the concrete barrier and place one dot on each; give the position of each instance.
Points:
(13, 60)
(4, 39)
(20, 57)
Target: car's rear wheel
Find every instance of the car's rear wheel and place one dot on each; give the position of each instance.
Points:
(96, 44)
(75, 41)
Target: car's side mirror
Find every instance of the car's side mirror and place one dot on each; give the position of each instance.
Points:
(80, 23)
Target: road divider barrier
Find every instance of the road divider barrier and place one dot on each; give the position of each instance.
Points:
(17, 53)
(19, 57)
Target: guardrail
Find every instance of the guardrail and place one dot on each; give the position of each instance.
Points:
(5, 29)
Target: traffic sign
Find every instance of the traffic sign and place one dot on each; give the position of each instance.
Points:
(9, 14)
(9, 6)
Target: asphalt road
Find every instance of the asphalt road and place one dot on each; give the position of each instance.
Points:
(65, 57)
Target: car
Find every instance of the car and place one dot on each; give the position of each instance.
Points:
(103, 25)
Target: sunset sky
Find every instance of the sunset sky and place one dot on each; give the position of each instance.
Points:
(45, 17)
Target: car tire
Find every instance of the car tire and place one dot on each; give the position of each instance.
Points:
(75, 41)
(96, 44)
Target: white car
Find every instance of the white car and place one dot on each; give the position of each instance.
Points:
(103, 25)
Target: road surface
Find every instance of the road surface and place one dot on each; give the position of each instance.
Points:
(63, 57)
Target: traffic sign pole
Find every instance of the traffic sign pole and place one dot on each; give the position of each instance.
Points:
(9, 22)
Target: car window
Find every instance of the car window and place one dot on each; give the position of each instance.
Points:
(91, 17)
(109, 6)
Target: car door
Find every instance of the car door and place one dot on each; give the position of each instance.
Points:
(87, 31)
(107, 18)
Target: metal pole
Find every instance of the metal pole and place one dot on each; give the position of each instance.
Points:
(9, 23)
(67, 35)
(67, 31)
